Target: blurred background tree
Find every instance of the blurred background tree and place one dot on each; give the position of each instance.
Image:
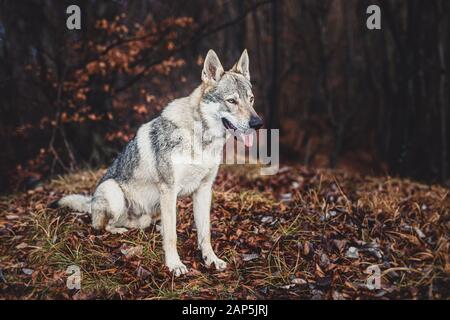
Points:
(374, 101)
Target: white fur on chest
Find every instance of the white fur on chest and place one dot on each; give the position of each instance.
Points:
(190, 177)
(191, 172)
(196, 164)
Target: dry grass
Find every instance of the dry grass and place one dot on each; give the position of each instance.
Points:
(284, 236)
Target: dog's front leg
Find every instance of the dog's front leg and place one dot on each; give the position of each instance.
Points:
(202, 206)
(168, 201)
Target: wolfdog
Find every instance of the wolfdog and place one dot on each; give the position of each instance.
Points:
(158, 164)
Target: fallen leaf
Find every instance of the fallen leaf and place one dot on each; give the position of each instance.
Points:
(250, 256)
(22, 245)
(131, 251)
(352, 253)
(27, 271)
(299, 281)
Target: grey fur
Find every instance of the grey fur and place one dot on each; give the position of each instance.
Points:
(159, 163)
(123, 167)
(162, 145)
(230, 83)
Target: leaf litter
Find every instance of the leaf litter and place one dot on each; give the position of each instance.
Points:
(301, 234)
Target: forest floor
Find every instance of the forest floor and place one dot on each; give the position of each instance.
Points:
(301, 234)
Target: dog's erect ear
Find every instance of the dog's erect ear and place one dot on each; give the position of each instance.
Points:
(242, 66)
(212, 68)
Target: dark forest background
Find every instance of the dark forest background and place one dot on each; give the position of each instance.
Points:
(373, 101)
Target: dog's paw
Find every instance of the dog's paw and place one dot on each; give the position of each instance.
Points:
(218, 263)
(177, 268)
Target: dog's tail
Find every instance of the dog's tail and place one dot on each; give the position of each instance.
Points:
(76, 202)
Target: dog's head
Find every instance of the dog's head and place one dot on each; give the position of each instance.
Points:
(228, 94)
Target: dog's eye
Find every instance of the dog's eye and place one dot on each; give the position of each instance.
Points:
(232, 101)
(252, 99)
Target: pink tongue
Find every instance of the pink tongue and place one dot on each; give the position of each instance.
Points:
(247, 139)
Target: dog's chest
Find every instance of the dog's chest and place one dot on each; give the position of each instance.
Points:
(191, 176)
(199, 165)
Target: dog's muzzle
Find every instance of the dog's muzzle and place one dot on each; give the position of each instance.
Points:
(255, 122)
(228, 125)
(247, 139)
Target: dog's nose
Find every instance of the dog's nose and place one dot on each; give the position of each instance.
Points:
(255, 122)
